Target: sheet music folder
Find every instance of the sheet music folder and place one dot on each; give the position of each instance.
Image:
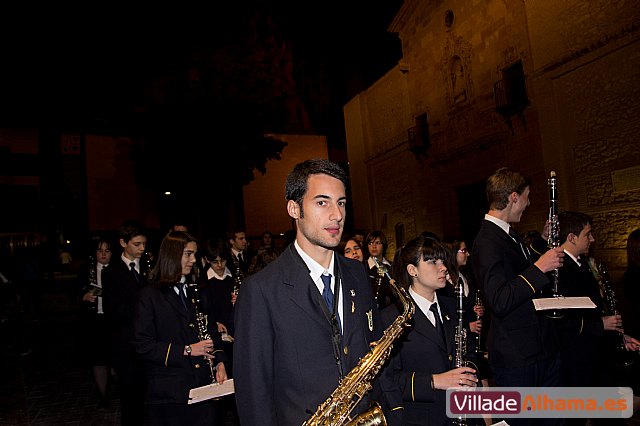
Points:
(214, 390)
(563, 303)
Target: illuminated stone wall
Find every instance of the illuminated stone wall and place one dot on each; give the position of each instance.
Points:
(582, 64)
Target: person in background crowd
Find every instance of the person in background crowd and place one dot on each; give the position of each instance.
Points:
(303, 322)
(266, 254)
(121, 282)
(239, 253)
(376, 246)
(580, 331)
(631, 287)
(350, 248)
(421, 367)
(510, 280)
(358, 235)
(93, 328)
(219, 285)
(177, 358)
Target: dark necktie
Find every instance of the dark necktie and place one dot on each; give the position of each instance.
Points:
(240, 259)
(135, 274)
(513, 234)
(183, 296)
(327, 294)
(439, 326)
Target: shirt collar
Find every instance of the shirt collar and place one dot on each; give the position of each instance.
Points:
(501, 223)
(211, 274)
(128, 261)
(371, 263)
(575, 259)
(423, 303)
(315, 269)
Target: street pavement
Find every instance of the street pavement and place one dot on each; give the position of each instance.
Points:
(51, 384)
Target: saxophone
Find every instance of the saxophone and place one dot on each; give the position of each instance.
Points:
(203, 334)
(335, 411)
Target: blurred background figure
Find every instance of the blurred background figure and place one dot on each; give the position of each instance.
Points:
(376, 246)
(93, 328)
(349, 247)
(266, 254)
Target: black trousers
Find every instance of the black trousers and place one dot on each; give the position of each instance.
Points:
(131, 388)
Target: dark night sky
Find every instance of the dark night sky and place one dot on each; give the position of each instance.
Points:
(69, 68)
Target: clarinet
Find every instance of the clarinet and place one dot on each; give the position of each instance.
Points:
(624, 357)
(93, 283)
(553, 240)
(203, 333)
(238, 276)
(378, 284)
(461, 342)
(478, 336)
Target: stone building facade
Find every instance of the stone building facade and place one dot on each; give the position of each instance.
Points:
(535, 86)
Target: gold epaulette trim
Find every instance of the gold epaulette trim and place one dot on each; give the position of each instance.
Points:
(531, 247)
(413, 395)
(527, 281)
(397, 408)
(166, 358)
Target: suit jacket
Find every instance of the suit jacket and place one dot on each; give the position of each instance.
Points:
(120, 292)
(284, 362)
(518, 336)
(420, 353)
(162, 328)
(580, 331)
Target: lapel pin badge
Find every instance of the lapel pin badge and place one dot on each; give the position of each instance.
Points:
(353, 293)
(370, 319)
(446, 317)
(353, 307)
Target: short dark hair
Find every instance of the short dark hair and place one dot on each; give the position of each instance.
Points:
(231, 233)
(501, 184)
(372, 236)
(130, 229)
(216, 247)
(297, 182)
(572, 223)
(411, 254)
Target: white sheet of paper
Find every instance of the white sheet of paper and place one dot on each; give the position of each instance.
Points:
(563, 303)
(214, 390)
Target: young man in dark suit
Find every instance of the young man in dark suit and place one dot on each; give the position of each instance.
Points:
(121, 282)
(293, 344)
(523, 350)
(239, 252)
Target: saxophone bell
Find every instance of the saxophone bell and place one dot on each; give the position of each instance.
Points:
(336, 410)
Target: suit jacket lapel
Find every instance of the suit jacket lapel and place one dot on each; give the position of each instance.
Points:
(173, 299)
(304, 292)
(424, 327)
